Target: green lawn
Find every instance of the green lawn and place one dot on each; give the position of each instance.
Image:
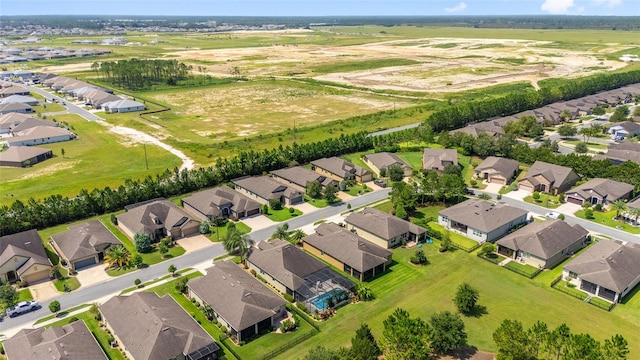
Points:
(606, 218)
(523, 269)
(456, 238)
(413, 158)
(219, 234)
(282, 214)
(24, 295)
(61, 313)
(319, 203)
(357, 190)
(546, 200)
(98, 333)
(504, 295)
(356, 159)
(597, 146)
(71, 282)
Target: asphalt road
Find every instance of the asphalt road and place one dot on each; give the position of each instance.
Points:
(71, 108)
(90, 294)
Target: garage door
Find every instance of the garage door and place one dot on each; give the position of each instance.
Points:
(253, 212)
(525, 187)
(84, 263)
(497, 180)
(31, 278)
(574, 200)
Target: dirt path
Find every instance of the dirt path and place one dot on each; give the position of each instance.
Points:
(140, 137)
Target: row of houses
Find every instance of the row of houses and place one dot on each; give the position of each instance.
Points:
(24, 54)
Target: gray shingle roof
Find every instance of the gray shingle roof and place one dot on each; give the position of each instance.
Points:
(434, 158)
(156, 214)
(27, 244)
(556, 174)
(610, 190)
(21, 153)
(482, 215)
(266, 187)
(608, 263)
(284, 262)
(300, 176)
(339, 167)
(544, 239)
(239, 298)
(348, 247)
(84, 240)
(152, 327)
(381, 224)
(209, 202)
(498, 165)
(69, 342)
(383, 160)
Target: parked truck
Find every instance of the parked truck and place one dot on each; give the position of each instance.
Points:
(23, 307)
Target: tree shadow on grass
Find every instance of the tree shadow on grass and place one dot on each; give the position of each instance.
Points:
(478, 311)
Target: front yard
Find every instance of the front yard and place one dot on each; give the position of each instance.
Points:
(319, 203)
(607, 218)
(546, 200)
(356, 190)
(220, 233)
(283, 214)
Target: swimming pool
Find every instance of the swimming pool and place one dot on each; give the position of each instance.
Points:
(320, 301)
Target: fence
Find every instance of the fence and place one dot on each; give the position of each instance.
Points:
(223, 341)
(518, 271)
(287, 346)
(303, 315)
(495, 261)
(582, 296)
(438, 235)
(464, 248)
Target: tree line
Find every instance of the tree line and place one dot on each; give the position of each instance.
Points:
(135, 74)
(57, 209)
(552, 90)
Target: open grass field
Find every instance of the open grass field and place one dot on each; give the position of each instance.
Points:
(95, 160)
(503, 295)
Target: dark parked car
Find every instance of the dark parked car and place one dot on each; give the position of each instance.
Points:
(469, 191)
(380, 183)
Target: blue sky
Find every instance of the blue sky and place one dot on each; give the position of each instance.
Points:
(319, 7)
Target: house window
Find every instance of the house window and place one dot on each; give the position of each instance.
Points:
(477, 233)
(573, 275)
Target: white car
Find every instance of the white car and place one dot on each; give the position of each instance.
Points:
(552, 215)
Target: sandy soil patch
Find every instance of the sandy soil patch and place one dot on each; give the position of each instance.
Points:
(48, 170)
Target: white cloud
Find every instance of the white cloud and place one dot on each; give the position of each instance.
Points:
(608, 3)
(457, 8)
(558, 6)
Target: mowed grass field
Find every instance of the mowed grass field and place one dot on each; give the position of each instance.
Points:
(96, 159)
(503, 295)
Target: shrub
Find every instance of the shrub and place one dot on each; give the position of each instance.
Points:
(181, 284)
(536, 195)
(419, 257)
(561, 216)
(114, 219)
(473, 183)
(143, 243)
(302, 307)
(73, 319)
(291, 210)
(137, 282)
(2, 348)
(287, 325)
(253, 272)
(223, 329)
(288, 297)
(588, 214)
(598, 207)
(275, 204)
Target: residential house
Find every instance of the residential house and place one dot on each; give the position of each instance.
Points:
(482, 220)
(158, 218)
(346, 250)
(543, 244)
(438, 159)
(149, 327)
(22, 257)
(491, 127)
(84, 244)
(21, 99)
(240, 302)
(384, 160)
(15, 125)
(299, 177)
(497, 170)
(97, 97)
(383, 229)
(10, 120)
(548, 114)
(23, 156)
(599, 191)
(13, 90)
(292, 271)
(122, 106)
(630, 217)
(549, 178)
(625, 129)
(340, 169)
(264, 189)
(16, 108)
(609, 269)
(39, 135)
(220, 201)
(73, 341)
(619, 153)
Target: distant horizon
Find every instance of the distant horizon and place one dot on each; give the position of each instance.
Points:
(319, 8)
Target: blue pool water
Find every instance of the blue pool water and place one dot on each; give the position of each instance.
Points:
(320, 301)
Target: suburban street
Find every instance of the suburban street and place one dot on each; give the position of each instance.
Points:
(113, 286)
(71, 108)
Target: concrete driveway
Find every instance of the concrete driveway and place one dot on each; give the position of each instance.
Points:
(568, 208)
(305, 208)
(92, 275)
(194, 243)
(518, 194)
(258, 222)
(493, 188)
(43, 291)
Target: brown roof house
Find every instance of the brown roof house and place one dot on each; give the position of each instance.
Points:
(149, 327)
(544, 244)
(340, 169)
(84, 244)
(619, 153)
(220, 201)
(549, 178)
(264, 189)
(15, 108)
(22, 156)
(384, 160)
(299, 177)
(22, 257)
(383, 229)
(346, 250)
(73, 341)
(292, 271)
(599, 191)
(497, 170)
(158, 218)
(491, 127)
(624, 129)
(609, 269)
(39, 135)
(242, 303)
(438, 159)
(482, 220)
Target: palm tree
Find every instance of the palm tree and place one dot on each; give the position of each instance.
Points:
(118, 256)
(238, 243)
(282, 232)
(565, 115)
(619, 206)
(297, 236)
